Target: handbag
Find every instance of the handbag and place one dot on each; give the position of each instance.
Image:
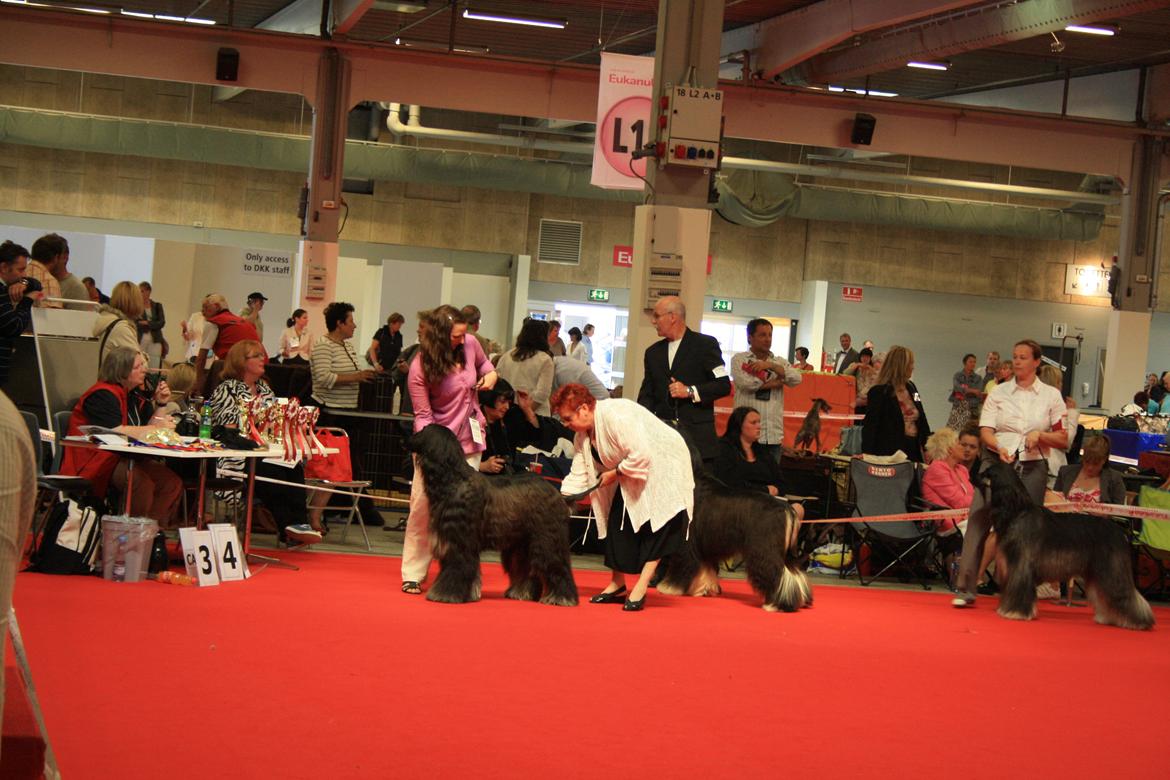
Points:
(70, 541)
(851, 440)
(332, 468)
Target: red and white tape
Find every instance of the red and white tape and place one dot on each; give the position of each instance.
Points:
(1105, 510)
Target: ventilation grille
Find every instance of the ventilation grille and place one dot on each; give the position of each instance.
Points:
(559, 242)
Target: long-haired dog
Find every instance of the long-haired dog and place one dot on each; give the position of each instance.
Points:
(521, 515)
(728, 523)
(810, 430)
(1038, 545)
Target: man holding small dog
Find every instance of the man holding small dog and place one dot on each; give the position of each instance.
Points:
(1022, 420)
(760, 378)
(684, 375)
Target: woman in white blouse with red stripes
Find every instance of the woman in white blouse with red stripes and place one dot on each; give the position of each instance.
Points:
(1022, 420)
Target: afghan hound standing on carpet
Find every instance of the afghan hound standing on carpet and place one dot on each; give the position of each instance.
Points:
(1038, 545)
(760, 528)
(522, 516)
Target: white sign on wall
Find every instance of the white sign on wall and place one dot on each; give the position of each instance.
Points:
(260, 262)
(623, 120)
(1086, 280)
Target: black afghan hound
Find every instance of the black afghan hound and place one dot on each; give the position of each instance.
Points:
(760, 528)
(521, 515)
(1038, 545)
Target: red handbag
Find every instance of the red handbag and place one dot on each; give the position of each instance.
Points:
(335, 467)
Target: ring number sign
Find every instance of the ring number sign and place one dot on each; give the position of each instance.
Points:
(214, 555)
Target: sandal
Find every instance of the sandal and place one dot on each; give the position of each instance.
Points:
(411, 587)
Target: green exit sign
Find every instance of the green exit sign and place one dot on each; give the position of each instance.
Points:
(600, 296)
(721, 304)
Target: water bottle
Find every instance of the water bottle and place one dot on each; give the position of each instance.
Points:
(158, 554)
(119, 574)
(205, 421)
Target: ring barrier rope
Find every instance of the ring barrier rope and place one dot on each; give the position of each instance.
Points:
(1102, 510)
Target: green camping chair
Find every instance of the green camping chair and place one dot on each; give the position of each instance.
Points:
(1153, 541)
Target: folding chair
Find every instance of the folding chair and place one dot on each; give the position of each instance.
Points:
(882, 490)
(48, 485)
(354, 488)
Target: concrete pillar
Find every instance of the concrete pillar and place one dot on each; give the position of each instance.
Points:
(319, 250)
(519, 274)
(679, 222)
(1129, 327)
(814, 306)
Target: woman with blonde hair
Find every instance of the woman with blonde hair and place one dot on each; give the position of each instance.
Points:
(116, 322)
(1058, 459)
(894, 416)
(243, 380)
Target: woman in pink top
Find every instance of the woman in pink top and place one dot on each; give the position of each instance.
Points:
(947, 482)
(443, 380)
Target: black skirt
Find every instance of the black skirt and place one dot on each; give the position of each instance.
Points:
(628, 551)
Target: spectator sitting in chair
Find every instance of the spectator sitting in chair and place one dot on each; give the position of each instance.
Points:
(243, 373)
(120, 402)
(512, 425)
(1092, 480)
(743, 463)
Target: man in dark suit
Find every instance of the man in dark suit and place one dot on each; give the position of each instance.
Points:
(847, 356)
(684, 375)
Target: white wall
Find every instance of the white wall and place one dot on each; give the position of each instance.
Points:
(1159, 351)
(491, 294)
(127, 258)
(360, 284)
(939, 329)
(87, 254)
(408, 288)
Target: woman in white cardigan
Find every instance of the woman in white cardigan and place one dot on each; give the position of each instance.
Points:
(645, 491)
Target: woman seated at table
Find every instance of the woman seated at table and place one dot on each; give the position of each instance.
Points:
(119, 401)
(743, 463)
(242, 380)
(1092, 480)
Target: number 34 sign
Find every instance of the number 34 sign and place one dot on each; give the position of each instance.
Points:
(214, 555)
(623, 120)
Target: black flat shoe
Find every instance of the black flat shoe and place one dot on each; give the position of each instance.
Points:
(634, 606)
(613, 597)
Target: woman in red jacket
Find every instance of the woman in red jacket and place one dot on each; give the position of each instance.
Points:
(118, 401)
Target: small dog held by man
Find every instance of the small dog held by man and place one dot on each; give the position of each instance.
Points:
(1038, 545)
(522, 516)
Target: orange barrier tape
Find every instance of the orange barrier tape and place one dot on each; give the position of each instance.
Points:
(1104, 510)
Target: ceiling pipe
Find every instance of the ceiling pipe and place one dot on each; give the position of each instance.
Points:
(414, 127)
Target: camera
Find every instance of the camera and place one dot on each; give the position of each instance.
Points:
(31, 285)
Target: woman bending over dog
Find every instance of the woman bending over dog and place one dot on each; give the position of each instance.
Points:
(645, 491)
(1022, 420)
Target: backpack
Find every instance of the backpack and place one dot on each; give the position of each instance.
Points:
(1122, 423)
(70, 541)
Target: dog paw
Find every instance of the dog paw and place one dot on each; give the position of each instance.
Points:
(559, 601)
(1013, 615)
(771, 608)
(669, 589)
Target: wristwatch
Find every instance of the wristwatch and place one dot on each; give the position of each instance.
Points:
(692, 392)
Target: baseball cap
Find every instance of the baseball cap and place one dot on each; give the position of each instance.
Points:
(257, 296)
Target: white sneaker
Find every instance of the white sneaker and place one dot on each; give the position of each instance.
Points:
(302, 534)
(963, 600)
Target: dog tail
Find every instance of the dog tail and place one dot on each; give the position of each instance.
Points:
(789, 594)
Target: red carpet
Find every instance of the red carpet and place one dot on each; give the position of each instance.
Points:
(332, 672)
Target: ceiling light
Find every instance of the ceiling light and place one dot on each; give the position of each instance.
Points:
(531, 21)
(401, 6)
(929, 65)
(435, 46)
(1095, 29)
(137, 14)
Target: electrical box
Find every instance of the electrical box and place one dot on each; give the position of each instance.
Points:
(1059, 330)
(691, 122)
(663, 277)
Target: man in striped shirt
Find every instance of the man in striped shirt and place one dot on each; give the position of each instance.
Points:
(760, 378)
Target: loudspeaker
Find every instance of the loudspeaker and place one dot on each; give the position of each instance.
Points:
(863, 127)
(227, 65)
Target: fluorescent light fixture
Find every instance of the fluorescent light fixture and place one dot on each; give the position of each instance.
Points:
(137, 14)
(1094, 29)
(197, 20)
(871, 93)
(169, 18)
(440, 47)
(88, 10)
(531, 21)
(929, 65)
(401, 6)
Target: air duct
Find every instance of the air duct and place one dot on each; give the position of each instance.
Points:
(754, 197)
